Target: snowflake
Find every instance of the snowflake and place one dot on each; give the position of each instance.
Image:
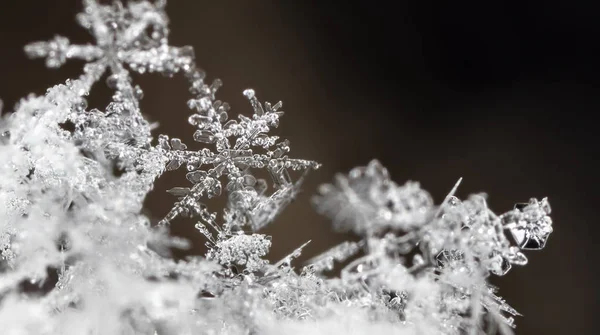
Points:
(415, 267)
(135, 35)
(367, 201)
(236, 155)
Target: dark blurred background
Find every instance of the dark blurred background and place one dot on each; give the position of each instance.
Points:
(501, 93)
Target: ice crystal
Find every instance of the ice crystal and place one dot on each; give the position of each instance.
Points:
(459, 243)
(248, 203)
(367, 201)
(78, 257)
(244, 250)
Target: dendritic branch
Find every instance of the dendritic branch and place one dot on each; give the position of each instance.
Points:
(78, 257)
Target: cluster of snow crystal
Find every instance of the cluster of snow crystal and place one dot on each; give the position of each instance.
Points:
(367, 201)
(78, 257)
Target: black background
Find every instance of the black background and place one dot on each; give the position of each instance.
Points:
(501, 93)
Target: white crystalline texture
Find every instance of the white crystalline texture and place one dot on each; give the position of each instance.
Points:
(459, 242)
(367, 201)
(78, 257)
(530, 224)
(243, 250)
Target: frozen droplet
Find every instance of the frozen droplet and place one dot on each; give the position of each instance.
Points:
(82, 105)
(545, 206)
(517, 257)
(169, 69)
(225, 107)
(138, 93)
(199, 120)
(5, 137)
(277, 153)
(163, 141)
(187, 51)
(500, 265)
(196, 176)
(216, 189)
(173, 165)
(204, 104)
(418, 260)
(177, 145)
(202, 229)
(261, 186)
(193, 165)
(216, 84)
(223, 117)
(249, 180)
(192, 103)
(230, 124)
(204, 136)
(249, 93)
(112, 81)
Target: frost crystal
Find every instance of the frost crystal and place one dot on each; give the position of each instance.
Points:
(367, 201)
(78, 257)
(244, 250)
(454, 246)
